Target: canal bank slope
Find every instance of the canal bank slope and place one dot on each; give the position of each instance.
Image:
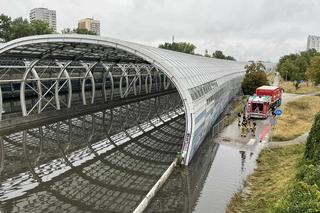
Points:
(275, 170)
(287, 178)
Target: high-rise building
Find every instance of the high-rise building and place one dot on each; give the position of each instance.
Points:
(44, 14)
(313, 43)
(90, 24)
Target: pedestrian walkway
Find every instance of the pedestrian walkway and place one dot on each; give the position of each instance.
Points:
(231, 135)
(298, 140)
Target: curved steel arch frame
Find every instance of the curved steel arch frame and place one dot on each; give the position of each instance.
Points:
(196, 79)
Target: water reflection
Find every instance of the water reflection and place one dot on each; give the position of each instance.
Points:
(209, 182)
(243, 159)
(181, 192)
(104, 161)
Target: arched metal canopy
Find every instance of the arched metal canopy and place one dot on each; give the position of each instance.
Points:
(196, 78)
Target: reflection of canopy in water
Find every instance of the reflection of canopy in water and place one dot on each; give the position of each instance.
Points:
(115, 180)
(118, 125)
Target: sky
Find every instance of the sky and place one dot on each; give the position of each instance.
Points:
(245, 29)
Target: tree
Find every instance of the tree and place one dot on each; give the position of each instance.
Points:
(20, 28)
(184, 47)
(254, 67)
(77, 31)
(5, 26)
(219, 55)
(255, 77)
(66, 31)
(299, 75)
(313, 71)
(206, 53)
(230, 58)
(285, 57)
(312, 150)
(309, 54)
(293, 67)
(84, 31)
(41, 27)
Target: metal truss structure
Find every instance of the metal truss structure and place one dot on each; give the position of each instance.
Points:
(48, 85)
(57, 72)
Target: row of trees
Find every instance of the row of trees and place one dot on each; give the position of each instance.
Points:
(184, 47)
(304, 66)
(189, 48)
(19, 27)
(219, 55)
(77, 31)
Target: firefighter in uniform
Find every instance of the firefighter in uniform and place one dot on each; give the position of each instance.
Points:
(244, 127)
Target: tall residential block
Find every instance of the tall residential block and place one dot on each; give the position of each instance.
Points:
(46, 15)
(313, 42)
(90, 24)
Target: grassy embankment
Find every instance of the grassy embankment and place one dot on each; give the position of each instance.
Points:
(286, 180)
(276, 169)
(304, 88)
(297, 118)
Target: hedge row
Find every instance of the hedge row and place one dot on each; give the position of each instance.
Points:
(304, 193)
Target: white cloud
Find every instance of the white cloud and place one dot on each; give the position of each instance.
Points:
(245, 29)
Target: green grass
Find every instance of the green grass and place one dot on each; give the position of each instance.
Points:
(276, 170)
(297, 118)
(304, 88)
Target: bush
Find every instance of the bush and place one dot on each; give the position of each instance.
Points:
(309, 174)
(301, 197)
(312, 152)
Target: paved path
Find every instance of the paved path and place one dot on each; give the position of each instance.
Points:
(291, 97)
(231, 135)
(298, 140)
(276, 80)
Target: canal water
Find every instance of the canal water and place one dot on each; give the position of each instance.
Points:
(91, 164)
(217, 171)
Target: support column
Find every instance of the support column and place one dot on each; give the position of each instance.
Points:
(23, 87)
(1, 155)
(93, 87)
(107, 73)
(1, 104)
(123, 74)
(64, 72)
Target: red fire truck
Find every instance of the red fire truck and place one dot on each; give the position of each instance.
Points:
(265, 99)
